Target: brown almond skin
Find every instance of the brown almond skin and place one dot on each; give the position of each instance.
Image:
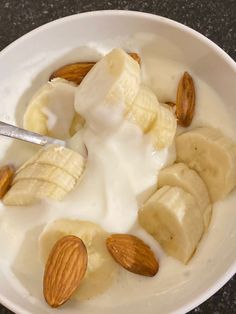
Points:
(75, 72)
(64, 271)
(6, 176)
(132, 254)
(185, 100)
(136, 57)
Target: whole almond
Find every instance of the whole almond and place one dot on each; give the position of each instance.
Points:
(132, 254)
(65, 269)
(6, 177)
(75, 72)
(185, 100)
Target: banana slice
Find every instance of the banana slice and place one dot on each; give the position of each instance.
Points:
(114, 80)
(173, 218)
(30, 191)
(47, 173)
(51, 173)
(101, 269)
(78, 123)
(181, 176)
(144, 109)
(213, 156)
(51, 110)
(163, 131)
(76, 143)
(66, 159)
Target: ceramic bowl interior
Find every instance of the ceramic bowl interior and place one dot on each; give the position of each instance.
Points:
(39, 52)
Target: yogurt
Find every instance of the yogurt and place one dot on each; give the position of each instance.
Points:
(121, 173)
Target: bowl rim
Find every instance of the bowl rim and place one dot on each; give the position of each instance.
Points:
(225, 277)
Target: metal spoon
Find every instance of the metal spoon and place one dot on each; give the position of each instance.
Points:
(76, 142)
(27, 136)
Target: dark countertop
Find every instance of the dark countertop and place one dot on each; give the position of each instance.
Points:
(215, 19)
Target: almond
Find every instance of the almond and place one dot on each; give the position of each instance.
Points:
(135, 56)
(75, 72)
(6, 177)
(65, 269)
(185, 101)
(132, 254)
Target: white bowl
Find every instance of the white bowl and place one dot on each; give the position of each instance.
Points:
(44, 47)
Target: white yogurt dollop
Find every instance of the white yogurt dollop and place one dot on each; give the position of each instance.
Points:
(121, 171)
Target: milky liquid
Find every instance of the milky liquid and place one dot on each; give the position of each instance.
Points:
(106, 164)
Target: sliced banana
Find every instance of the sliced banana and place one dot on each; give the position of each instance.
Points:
(173, 218)
(213, 156)
(61, 157)
(114, 80)
(47, 173)
(76, 143)
(181, 176)
(51, 110)
(101, 269)
(52, 173)
(78, 123)
(164, 129)
(30, 191)
(144, 109)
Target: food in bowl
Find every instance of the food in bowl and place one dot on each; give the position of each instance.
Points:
(129, 138)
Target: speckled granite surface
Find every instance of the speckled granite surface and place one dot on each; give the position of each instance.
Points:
(215, 19)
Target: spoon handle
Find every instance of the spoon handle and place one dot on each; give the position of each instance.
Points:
(27, 136)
